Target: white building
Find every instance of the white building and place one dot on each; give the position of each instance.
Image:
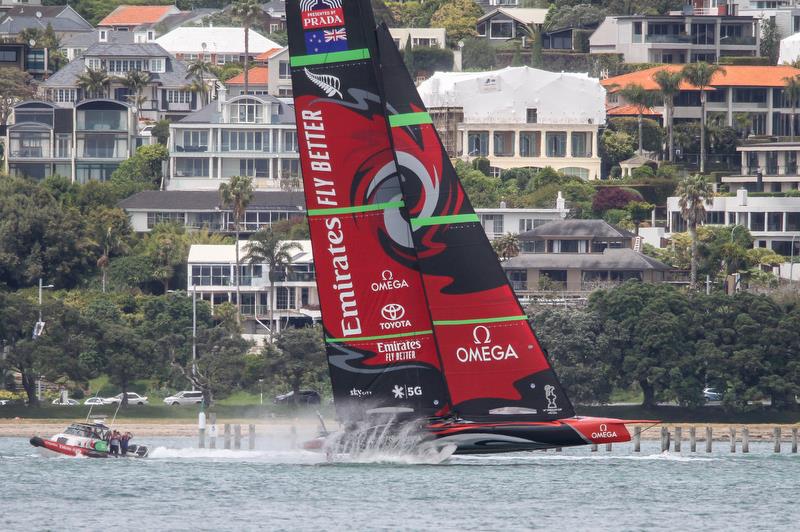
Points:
(790, 46)
(432, 37)
(244, 135)
(214, 45)
(522, 117)
(503, 220)
(210, 271)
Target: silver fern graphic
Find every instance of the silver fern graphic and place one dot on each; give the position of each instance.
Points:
(329, 84)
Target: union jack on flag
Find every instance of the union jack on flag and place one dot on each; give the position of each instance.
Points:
(339, 34)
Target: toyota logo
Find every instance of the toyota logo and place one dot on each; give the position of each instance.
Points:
(393, 312)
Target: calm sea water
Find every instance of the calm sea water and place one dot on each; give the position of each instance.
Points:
(276, 488)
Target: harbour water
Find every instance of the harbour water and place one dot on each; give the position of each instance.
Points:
(277, 488)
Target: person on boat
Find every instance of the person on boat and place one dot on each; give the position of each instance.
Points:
(124, 439)
(115, 439)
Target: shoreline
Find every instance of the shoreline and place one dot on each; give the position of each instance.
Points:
(19, 428)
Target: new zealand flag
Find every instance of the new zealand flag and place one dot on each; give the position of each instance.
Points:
(322, 41)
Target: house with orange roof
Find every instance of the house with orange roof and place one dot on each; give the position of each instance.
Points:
(678, 37)
(258, 82)
(748, 98)
(127, 18)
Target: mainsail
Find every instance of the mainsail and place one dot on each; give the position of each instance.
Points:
(378, 332)
(491, 358)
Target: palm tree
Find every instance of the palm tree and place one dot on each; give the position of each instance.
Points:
(669, 86)
(236, 196)
(136, 81)
(247, 11)
(199, 71)
(791, 90)
(94, 82)
(506, 246)
(640, 98)
(266, 247)
(700, 75)
(694, 193)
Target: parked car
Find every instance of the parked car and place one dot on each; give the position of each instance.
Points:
(185, 397)
(305, 397)
(711, 394)
(133, 399)
(67, 402)
(95, 401)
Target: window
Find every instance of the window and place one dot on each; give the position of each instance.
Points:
(8, 56)
(274, 27)
(157, 65)
(155, 218)
(285, 91)
(290, 168)
(575, 171)
(556, 143)
(793, 221)
(750, 95)
(774, 221)
(703, 33)
(233, 140)
(636, 31)
(531, 116)
(64, 95)
(503, 143)
(289, 141)
(125, 65)
(580, 145)
(93, 63)
(254, 167)
(796, 24)
(178, 96)
(478, 143)
(191, 167)
(518, 279)
(501, 29)
(63, 145)
(284, 72)
(285, 298)
(209, 275)
(194, 141)
(250, 275)
(715, 217)
(756, 221)
(529, 143)
(482, 29)
(103, 36)
(246, 112)
(492, 223)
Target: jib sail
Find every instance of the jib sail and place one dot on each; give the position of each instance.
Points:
(492, 361)
(378, 333)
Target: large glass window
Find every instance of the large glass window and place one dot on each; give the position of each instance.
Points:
(211, 275)
(247, 112)
(581, 146)
(233, 140)
(793, 221)
(284, 72)
(194, 140)
(556, 143)
(254, 167)
(756, 221)
(530, 143)
(156, 217)
(492, 223)
(775, 221)
(290, 141)
(290, 168)
(478, 143)
(703, 34)
(501, 29)
(285, 298)
(191, 167)
(102, 119)
(504, 143)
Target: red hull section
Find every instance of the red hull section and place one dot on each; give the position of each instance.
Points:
(69, 450)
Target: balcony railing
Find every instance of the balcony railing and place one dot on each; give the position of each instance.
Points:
(678, 39)
(737, 41)
(29, 152)
(190, 148)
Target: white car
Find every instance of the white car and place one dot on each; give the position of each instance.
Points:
(133, 399)
(185, 398)
(95, 401)
(68, 402)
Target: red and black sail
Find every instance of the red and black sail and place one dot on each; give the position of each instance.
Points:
(492, 360)
(378, 332)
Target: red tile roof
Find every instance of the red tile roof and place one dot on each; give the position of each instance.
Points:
(266, 55)
(629, 110)
(130, 15)
(258, 76)
(733, 76)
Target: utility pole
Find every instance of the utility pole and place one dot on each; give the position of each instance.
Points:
(194, 335)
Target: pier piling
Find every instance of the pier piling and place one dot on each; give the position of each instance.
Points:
(594, 447)
(794, 440)
(745, 440)
(608, 447)
(637, 439)
(664, 439)
(709, 439)
(678, 438)
(559, 449)
(226, 434)
(251, 437)
(212, 431)
(692, 439)
(237, 436)
(776, 434)
(733, 439)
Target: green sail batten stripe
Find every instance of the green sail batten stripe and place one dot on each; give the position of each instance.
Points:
(440, 220)
(330, 57)
(357, 208)
(480, 320)
(410, 119)
(368, 338)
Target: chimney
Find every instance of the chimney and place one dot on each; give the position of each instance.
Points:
(741, 197)
(560, 203)
(502, 204)
(759, 181)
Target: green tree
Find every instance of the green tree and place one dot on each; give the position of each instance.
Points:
(770, 40)
(584, 353)
(199, 72)
(247, 12)
(268, 247)
(639, 212)
(136, 81)
(700, 75)
(506, 246)
(127, 354)
(161, 132)
(144, 169)
(236, 196)
(669, 87)
(694, 193)
(642, 100)
(616, 146)
(296, 358)
(477, 54)
(112, 231)
(94, 82)
(15, 86)
(167, 248)
(791, 91)
(459, 19)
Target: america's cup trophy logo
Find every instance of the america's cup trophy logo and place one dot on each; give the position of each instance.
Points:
(550, 395)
